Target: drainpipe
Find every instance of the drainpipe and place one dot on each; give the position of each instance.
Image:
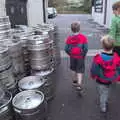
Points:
(105, 15)
(44, 11)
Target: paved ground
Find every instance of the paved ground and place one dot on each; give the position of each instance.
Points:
(67, 105)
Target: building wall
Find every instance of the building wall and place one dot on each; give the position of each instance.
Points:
(35, 12)
(2, 8)
(109, 12)
(99, 17)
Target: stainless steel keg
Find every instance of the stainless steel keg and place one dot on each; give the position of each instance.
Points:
(5, 61)
(26, 55)
(6, 77)
(32, 82)
(29, 105)
(50, 84)
(39, 47)
(52, 31)
(5, 26)
(4, 19)
(6, 71)
(15, 50)
(6, 112)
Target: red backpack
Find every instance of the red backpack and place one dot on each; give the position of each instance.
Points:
(109, 67)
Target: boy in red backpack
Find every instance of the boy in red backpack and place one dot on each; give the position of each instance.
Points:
(77, 47)
(105, 70)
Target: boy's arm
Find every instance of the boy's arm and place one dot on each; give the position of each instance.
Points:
(113, 29)
(85, 49)
(95, 69)
(67, 46)
(85, 46)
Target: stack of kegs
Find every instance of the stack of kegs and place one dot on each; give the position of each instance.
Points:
(15, 50)
(39, 47)
(30, 105)
(5, 26)
(42, 81)
(7, 79)
(52, 31)
(23, 33)
(50, 82)
(25, 52)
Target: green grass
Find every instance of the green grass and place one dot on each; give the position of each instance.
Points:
(71, 10)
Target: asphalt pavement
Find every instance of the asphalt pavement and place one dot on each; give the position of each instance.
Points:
(67, 105)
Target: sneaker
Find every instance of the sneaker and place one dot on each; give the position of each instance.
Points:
(74, 83)
(79, 90)
(104, 109)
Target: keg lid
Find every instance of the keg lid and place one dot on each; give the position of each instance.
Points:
(29, 99)
(44, 73)
(31, 82)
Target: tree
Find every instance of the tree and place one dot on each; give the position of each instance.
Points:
(87, 5)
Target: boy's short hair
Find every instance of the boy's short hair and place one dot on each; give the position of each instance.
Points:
(116, 5)
(75, 27)
(107, 42)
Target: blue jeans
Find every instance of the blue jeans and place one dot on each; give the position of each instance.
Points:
(103, 91)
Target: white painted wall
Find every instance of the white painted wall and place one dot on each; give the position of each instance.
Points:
(2, 8)
(35, 12)
(110, 12)
(99, 17)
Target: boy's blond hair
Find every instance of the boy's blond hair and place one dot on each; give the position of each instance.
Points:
(116, 5)
(107, 42)
(75, 27)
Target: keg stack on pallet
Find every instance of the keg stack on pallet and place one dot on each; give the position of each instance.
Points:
(41, 62)
(7, 79)
(52, 31)
(22, 33)
(38, 85)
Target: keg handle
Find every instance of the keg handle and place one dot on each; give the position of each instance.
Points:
(31, 83)
(27, 100)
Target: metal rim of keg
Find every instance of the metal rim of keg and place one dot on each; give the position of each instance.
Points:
(38, 47)
(46, 26)
(4, 19)
(5, 26)
(42, 67)
(45, 72)
(6, 66)
(4, 34)
(31, 82)
(38, 39)
(26, 95)
(10, 99)
(4, 50)
(5, 72)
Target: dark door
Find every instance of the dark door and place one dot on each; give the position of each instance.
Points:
(17, 11)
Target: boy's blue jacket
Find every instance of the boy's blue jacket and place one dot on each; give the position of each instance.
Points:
(106, 68)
